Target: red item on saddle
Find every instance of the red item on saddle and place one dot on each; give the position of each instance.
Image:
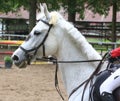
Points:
(115, 52)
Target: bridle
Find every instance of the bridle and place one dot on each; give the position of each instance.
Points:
(35, 49)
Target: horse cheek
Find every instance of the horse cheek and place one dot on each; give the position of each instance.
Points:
(51, 45)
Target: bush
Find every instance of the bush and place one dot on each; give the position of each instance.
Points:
(7, 59)
(8, 62)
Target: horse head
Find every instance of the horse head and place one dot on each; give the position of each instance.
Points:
(41, 38)
(53, 35)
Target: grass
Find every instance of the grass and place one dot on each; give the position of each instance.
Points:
(100, 47)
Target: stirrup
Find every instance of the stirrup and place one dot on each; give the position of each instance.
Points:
(107, 97)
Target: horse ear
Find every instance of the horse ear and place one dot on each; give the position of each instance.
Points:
(47, 14)
(41, 8)
(40, 13)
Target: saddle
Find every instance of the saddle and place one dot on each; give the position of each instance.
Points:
(100, 78)
(113, 65)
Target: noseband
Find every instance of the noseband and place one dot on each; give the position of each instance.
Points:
(27, 52)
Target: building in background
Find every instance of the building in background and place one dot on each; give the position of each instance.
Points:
(14, 22)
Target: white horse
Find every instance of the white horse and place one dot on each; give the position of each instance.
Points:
(61, 39)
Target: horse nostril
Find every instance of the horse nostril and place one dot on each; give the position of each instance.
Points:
(15, 57)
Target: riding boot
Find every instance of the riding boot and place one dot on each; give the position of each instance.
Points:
(107, 97)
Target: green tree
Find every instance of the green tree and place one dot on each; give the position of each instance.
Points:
(32, 13)
(8, 5)
(97, 6)
(72, 7)
(30, 5)
(102, 7)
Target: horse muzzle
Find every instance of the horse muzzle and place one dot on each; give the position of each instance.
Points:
(19, 63)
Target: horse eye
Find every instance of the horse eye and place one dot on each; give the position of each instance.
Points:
(37, 33)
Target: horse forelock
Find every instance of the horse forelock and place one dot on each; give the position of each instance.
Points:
(55, 16)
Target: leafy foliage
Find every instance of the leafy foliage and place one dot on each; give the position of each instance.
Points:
(71, 6)
(97, 6)
(7, 5)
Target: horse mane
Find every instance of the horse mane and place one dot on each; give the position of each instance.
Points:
(79, 39)
(81, 42)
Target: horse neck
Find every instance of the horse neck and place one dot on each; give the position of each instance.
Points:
(73, 74)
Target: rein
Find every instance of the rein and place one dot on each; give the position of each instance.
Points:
(53, 59)
(86, 82)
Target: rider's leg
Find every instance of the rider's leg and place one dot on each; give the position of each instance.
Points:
(109, 85)
(107, 97)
